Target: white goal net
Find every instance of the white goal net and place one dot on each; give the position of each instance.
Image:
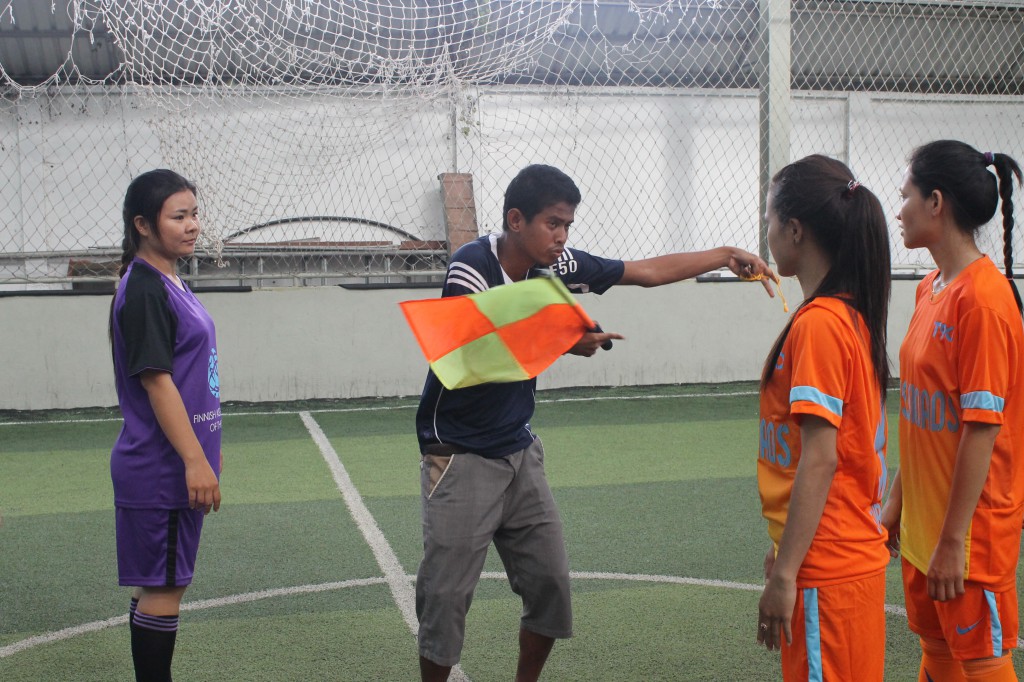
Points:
(359, 141)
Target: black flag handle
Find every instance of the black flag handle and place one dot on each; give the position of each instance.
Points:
(607, 345)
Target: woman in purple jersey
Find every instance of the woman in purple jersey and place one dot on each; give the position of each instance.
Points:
(166, 461)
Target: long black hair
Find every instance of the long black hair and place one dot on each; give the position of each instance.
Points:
(960, 172)
(145, 197)
(847, 222)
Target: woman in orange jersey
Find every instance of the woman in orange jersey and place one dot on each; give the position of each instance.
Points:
(957, 501)
(821, 469)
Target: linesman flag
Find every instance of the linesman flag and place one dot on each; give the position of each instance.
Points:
(508, 333)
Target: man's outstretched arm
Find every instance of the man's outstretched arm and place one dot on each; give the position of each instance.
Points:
(675, 267)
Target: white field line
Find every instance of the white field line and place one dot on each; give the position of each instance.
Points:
(402, 591)
(203, 604)
(100, 420)
(394, 574)
(68, 633)
(388, 408)
(595, 398)
(640, 577)
(699, 582)
(57, 635)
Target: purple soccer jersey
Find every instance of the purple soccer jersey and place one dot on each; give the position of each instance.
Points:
(158, 326)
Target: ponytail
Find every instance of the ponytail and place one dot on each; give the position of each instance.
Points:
(129, 247)
(847, 221)
(1006, 170)
(960, 172)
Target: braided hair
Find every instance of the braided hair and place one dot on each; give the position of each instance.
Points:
(961, 173)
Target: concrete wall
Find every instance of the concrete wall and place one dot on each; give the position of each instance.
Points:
(303, 343)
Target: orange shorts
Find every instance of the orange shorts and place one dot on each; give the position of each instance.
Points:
(838, 633)
(977, 624)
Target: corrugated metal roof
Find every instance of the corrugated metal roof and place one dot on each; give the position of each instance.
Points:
(38, 40)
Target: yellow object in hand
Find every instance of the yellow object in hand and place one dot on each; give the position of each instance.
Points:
(778, 287)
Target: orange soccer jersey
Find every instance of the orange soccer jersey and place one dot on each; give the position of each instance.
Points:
(963, 361)
(825, 370)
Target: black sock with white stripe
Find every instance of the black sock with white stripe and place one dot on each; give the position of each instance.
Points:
(153, 646)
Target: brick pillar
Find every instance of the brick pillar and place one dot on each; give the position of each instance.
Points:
(459, 209)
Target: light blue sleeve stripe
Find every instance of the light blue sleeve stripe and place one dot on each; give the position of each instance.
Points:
(813, 395)
(981, 400)
(880, 440)
(881, 429)
(997, 626)
(812, 634)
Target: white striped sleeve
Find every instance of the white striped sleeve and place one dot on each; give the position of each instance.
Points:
(467, 277)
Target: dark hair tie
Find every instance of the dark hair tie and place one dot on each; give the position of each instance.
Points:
(990, 158)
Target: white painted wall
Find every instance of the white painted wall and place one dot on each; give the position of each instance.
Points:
(660, 170)
(306, 343)
(634, 155)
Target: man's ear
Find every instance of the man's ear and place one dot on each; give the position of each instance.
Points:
(514, 219)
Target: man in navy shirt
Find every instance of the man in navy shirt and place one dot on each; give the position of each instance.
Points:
(482, 472)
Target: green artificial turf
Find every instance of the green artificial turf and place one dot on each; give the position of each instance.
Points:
(651, 481)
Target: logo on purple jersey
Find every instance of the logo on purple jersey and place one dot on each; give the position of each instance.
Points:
(213, 374)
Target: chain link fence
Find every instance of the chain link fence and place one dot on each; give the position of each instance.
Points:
(358, 142)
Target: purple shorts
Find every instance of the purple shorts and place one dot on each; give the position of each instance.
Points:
(157, 547)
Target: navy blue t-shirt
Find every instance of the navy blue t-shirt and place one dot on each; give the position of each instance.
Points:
(493, 420)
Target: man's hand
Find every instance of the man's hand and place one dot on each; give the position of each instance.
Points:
(591, 341)
(749, 267)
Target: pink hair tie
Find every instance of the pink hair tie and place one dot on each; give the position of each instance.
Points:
(850, 187)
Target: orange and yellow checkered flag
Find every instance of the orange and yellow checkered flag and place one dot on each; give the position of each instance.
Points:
(508, 333)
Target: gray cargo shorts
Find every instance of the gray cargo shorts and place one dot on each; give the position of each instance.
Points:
(469, 501)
